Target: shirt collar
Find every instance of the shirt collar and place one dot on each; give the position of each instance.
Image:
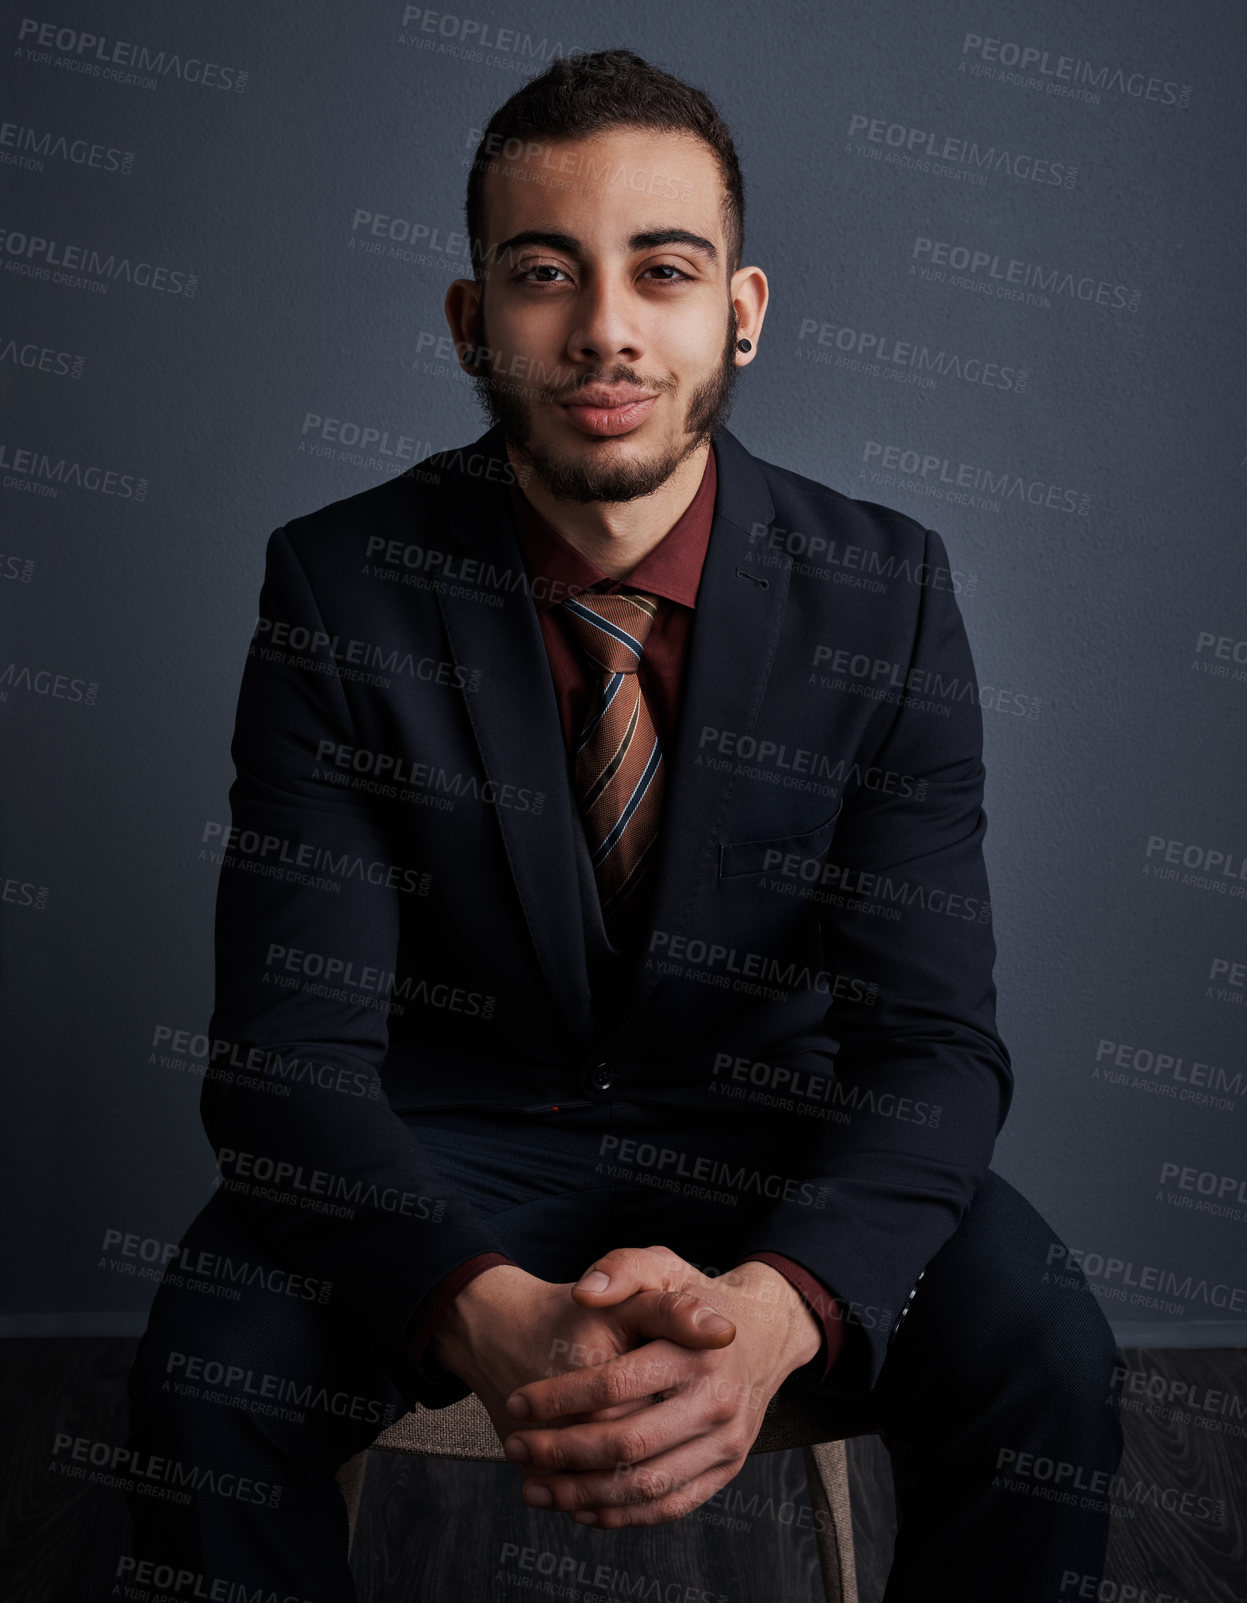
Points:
(672, 569)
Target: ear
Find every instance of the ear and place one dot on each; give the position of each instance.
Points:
(463, 308)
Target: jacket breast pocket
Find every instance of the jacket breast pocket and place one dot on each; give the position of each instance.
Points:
(755, 856)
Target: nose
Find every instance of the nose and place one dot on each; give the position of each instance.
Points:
(605, 328)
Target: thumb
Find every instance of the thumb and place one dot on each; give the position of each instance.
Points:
(682, 1315)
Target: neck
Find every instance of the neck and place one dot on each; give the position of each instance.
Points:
(616, 535)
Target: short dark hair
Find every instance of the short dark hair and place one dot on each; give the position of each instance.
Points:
(586, 94)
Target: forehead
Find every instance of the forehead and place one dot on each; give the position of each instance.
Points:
(601, 187)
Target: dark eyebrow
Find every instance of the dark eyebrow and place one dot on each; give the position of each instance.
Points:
(654, 237)
(651, 239)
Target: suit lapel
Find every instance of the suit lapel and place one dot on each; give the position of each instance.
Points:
(515, 718)
(736, 629)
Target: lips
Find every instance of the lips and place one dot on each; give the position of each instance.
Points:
(600, 411)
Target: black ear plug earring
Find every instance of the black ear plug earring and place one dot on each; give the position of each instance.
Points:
(744, 345)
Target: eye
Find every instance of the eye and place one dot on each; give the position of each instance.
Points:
(526, 275)
(540, 267)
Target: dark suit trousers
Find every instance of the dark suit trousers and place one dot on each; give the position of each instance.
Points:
(996, 1400)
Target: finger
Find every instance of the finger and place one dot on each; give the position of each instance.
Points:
(663, 1510)
(651, 1429)
(654, 1267)
(625, 1270)
(717, 1389)
(598, 1416)
(681, 1314)
(658, 1366)
(659, 1484)
(590, 1416)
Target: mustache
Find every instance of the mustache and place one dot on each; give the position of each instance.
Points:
(626, 381)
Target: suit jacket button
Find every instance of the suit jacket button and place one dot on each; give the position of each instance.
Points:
(600, 1078)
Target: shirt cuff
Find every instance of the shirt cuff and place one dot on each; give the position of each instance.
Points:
(822, 1305)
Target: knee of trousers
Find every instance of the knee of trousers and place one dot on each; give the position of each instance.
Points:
(218, 1379)
(1064, 1371)
(1018, 1333)
(1070, 1348)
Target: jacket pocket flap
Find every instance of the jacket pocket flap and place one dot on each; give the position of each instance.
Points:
(749, 856)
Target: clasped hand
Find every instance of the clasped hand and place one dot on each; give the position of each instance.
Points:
(612, 1455)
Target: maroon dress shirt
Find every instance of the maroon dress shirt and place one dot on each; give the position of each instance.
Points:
(671, 572)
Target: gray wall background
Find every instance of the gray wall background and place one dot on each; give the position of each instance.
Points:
(1110, 640)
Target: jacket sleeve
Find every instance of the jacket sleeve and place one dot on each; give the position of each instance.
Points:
(308, 1147)
(922, 1075)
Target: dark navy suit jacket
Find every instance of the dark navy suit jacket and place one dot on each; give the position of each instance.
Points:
(402, 914)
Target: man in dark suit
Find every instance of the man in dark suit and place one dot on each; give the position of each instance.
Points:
(606, 868)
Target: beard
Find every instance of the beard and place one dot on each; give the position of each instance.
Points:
(582, 478)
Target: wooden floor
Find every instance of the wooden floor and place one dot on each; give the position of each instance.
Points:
(421, 1524)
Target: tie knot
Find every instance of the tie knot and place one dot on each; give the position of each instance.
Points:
(611, 629)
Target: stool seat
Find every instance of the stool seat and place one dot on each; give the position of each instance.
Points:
(464, 1430)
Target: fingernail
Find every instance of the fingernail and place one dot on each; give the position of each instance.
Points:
(710, 1321)
(539, 1496)
(586, 1516)
(595, 1280)
(518, 1405)
(516, 1449)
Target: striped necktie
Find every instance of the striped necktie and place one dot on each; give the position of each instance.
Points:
(618, 774)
